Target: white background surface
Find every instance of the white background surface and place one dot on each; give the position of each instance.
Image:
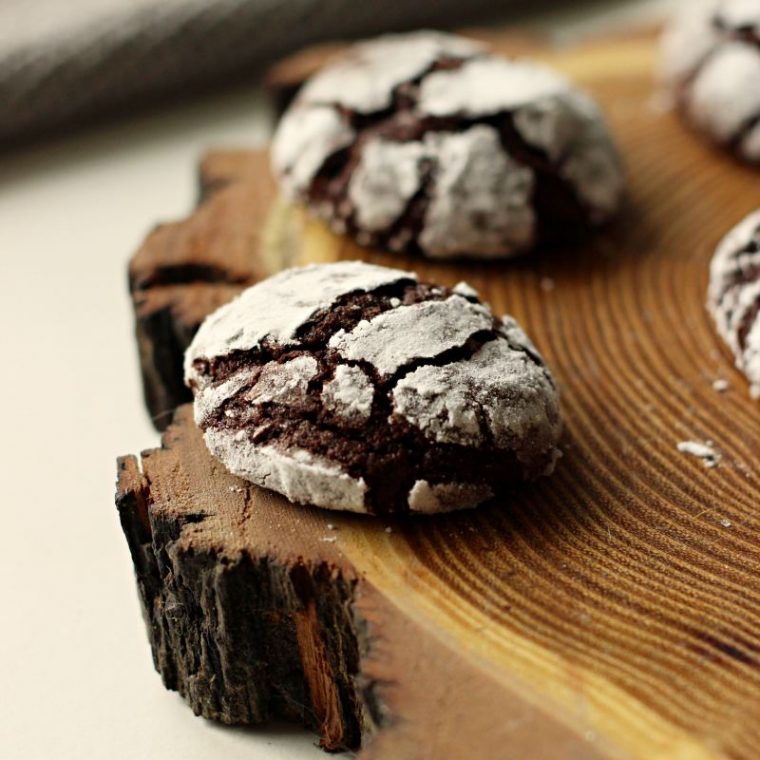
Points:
(77, 675)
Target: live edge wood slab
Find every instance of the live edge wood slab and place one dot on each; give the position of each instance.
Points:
(611, 611)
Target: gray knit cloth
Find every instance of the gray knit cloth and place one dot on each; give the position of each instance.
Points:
(64, 60)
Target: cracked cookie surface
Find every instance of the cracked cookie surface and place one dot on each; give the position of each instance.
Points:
(425, 143)
(357, 387)
(711, 63)
(734, 296)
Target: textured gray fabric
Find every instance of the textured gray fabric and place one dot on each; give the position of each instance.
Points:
(63, 61)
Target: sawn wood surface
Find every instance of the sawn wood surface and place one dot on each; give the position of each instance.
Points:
(613, 610)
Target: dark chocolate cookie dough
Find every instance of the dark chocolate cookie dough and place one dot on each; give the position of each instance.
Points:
(425, 143)
(356, 387)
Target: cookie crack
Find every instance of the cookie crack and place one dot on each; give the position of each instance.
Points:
(551, 191)
(462, 352)
(741, 275)
(401, 123)
(367, 124)
(327, 361)
(740, 278)
(403, 95)
(380, 446)
(746, 324)
(344, 313)
(748, 33)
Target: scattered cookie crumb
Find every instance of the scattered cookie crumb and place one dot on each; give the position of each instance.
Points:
(704, 451)
(547, 284)
(236, 489)
(721, 385)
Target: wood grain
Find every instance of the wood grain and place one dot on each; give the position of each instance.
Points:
(614, 609)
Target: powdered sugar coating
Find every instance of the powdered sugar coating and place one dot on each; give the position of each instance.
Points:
(366, 77)
(349, 393)
(740, 14)
(486, 86)
(276, 307)
(411, 101)
(482, 201)
(295, 473)
(388, 175)
(305, 139)
(711, 62)
(427, 498)
(687, 41)
(499, 395)
(726, 93)
(547, 111)
(210, 398)
(731, 256)
(516, 336)
(314, 407)
(734, 296)
(284, 383)
(408, 333)
(751, 356)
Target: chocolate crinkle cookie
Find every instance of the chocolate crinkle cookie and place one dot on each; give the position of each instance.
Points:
(357, 387)
(734, 296)
(711, 63)
(426, 143)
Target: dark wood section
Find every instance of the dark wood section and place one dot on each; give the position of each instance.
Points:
(184, 270)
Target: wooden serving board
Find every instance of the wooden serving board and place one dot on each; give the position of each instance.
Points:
(612, 610)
